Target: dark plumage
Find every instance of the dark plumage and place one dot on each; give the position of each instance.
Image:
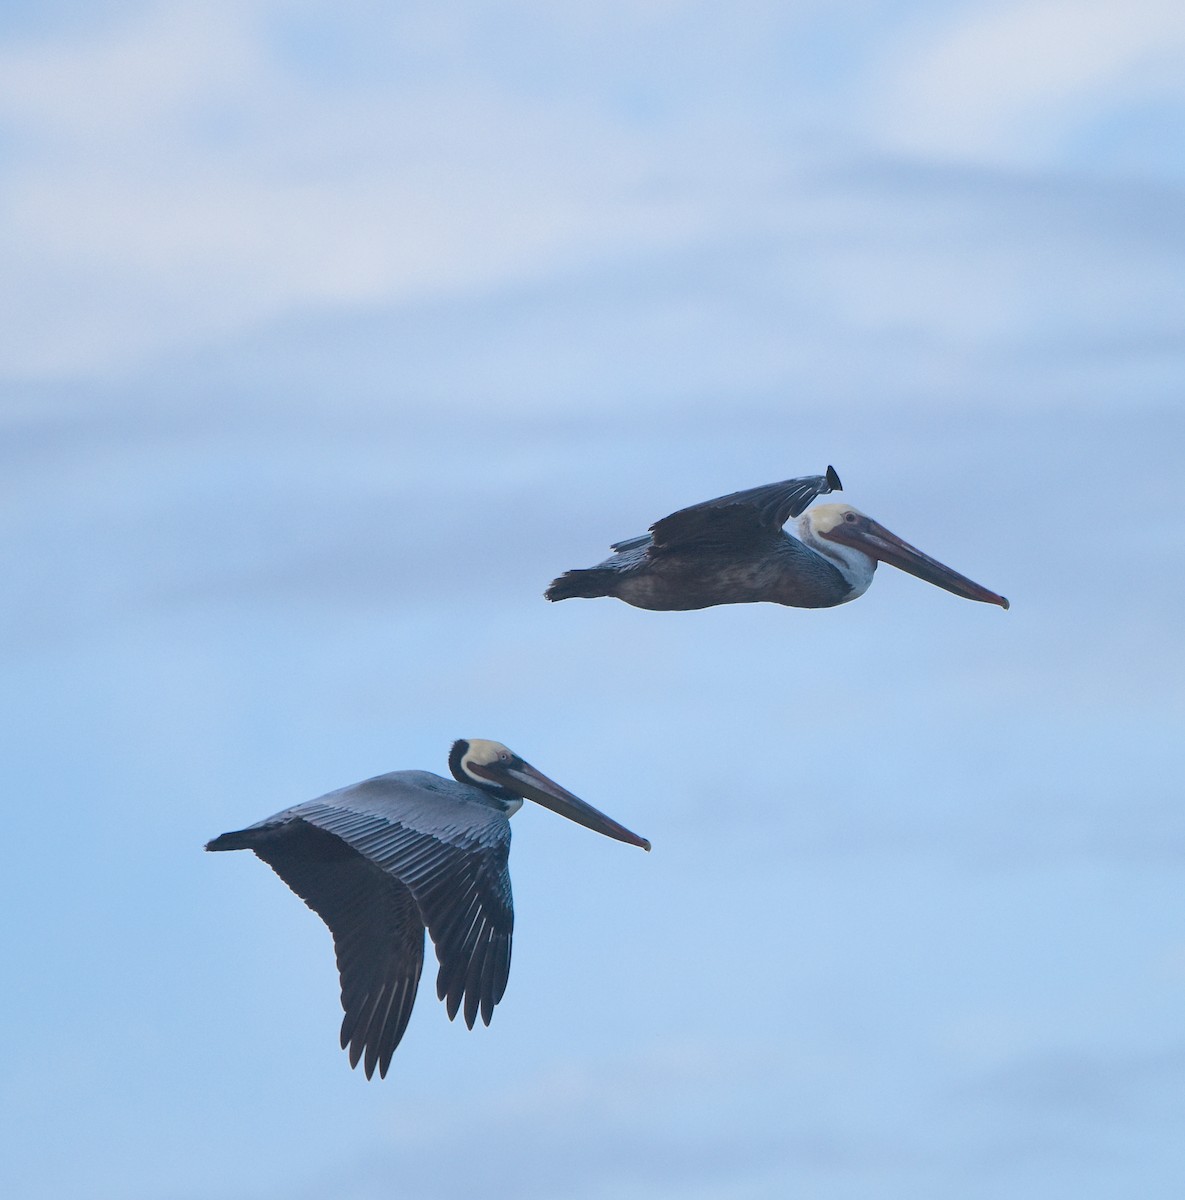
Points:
(733, 550)
(384, 859)
(730, 550)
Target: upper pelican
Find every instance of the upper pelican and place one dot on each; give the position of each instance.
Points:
(733, 550)
(380, 860)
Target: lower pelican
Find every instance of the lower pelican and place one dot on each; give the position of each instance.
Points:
(382, 860)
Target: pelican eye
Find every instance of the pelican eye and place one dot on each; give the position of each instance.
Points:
(850, 517)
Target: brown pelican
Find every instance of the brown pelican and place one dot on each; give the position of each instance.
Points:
(381, 860)
(733, 550)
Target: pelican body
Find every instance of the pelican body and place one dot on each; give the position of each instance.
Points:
(383, 860)
(733, 550)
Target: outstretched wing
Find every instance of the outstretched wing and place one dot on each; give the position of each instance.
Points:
(640, 539)
(378, 933)
(452, 855)
(741, 516)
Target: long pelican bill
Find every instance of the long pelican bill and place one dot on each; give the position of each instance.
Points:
(522, 779)
(874, 539)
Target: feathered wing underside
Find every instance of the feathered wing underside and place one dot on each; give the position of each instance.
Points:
(378, 933)
(739, 517)
(453, 859)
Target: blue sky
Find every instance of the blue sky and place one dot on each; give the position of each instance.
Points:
(332, 337)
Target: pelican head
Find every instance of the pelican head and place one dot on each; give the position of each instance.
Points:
(854, 543)
(499, 771)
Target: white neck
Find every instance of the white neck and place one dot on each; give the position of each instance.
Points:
(854, 565)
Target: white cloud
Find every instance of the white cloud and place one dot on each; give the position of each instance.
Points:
(192, 172)
(1011, 82)
(175, 183)
(121, 88)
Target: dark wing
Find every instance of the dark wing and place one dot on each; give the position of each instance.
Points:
(641, 539)
(378, 933)
(742, 516)
(452, 855)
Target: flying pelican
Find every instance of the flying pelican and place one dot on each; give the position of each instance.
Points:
(381, 860)
(733, 550)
